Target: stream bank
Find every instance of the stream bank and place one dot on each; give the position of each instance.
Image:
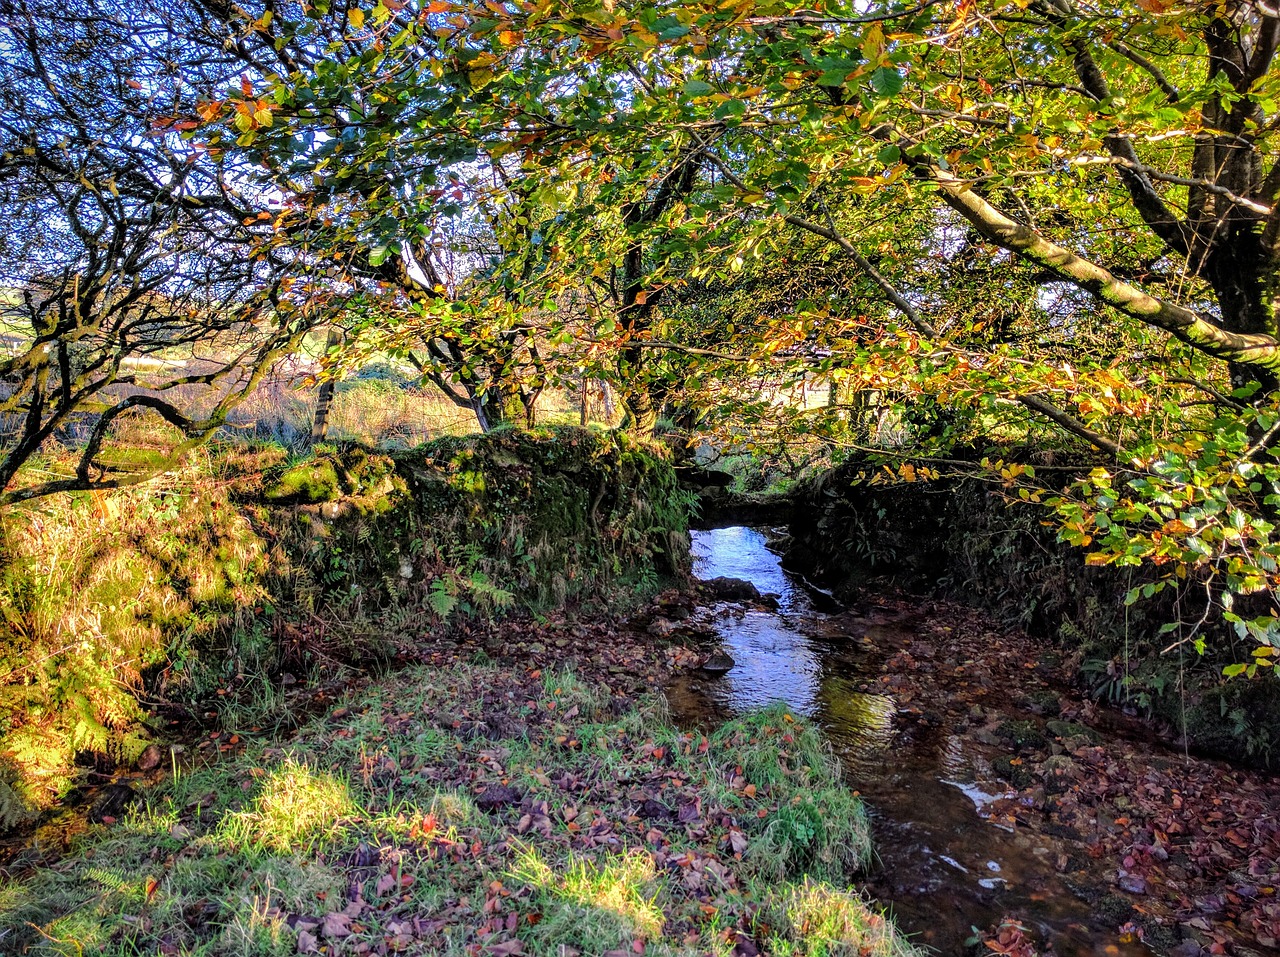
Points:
(518, 791)
(1000, 798)
(959, 537)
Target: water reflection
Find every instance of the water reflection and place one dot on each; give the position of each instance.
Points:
(743, 553)
(944, 867)
(775, 662)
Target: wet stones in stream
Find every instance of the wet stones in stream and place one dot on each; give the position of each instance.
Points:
(730, 589)
(717, 663)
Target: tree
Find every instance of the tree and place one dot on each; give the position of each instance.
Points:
(137, 279)
(1122, 155)
(390, 177)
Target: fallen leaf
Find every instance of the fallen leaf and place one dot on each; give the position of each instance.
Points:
(506, 948)
(336, 924)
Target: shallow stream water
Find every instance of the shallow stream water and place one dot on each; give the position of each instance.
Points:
(944, 869)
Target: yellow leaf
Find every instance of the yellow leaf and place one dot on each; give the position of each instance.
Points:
(873, 43)
(355, 17)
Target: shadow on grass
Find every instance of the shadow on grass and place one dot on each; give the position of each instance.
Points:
(391, 826)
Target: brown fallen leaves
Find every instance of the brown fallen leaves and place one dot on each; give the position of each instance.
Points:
(1191, 842)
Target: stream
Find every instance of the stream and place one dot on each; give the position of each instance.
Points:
(945, 867)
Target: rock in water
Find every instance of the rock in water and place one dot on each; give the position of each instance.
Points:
(731, 589)
(718, 663)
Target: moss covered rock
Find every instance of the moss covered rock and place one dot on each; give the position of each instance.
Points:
(481, 522)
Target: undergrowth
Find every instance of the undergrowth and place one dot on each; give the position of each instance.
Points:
(105, 599)
(201, 589)
(568, 825)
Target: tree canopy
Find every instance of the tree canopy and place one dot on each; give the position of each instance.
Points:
(994, 222)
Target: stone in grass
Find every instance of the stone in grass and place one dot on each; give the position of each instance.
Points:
(149, 759)
(498, 796)
(717, 663)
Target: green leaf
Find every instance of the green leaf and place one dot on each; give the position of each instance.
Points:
(889, 155)
(887, 81)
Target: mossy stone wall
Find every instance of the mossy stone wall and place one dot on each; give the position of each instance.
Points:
(961, 537)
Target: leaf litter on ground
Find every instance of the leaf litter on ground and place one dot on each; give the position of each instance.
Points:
(518, 790)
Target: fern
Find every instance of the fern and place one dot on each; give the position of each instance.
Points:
(13, 809)
(441, 599)
(109, 880)
(486, 592)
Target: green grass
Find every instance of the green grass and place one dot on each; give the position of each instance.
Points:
(615, 830)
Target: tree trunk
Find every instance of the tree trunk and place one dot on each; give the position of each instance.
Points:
(606, 399)
(502, 404)
(324, 400)
(640, 413)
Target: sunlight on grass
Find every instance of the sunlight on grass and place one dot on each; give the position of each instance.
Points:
(569, 690)
(221, 858)
(453, 809)
(296, 808)
(818, 827)
(600, 904)
(826, 922)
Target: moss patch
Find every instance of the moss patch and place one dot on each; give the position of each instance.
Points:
(542, 517)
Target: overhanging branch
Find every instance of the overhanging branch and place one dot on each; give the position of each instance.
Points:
(1196, 330)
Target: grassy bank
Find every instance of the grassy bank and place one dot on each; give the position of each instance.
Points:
(201, 592)
(473, 808)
